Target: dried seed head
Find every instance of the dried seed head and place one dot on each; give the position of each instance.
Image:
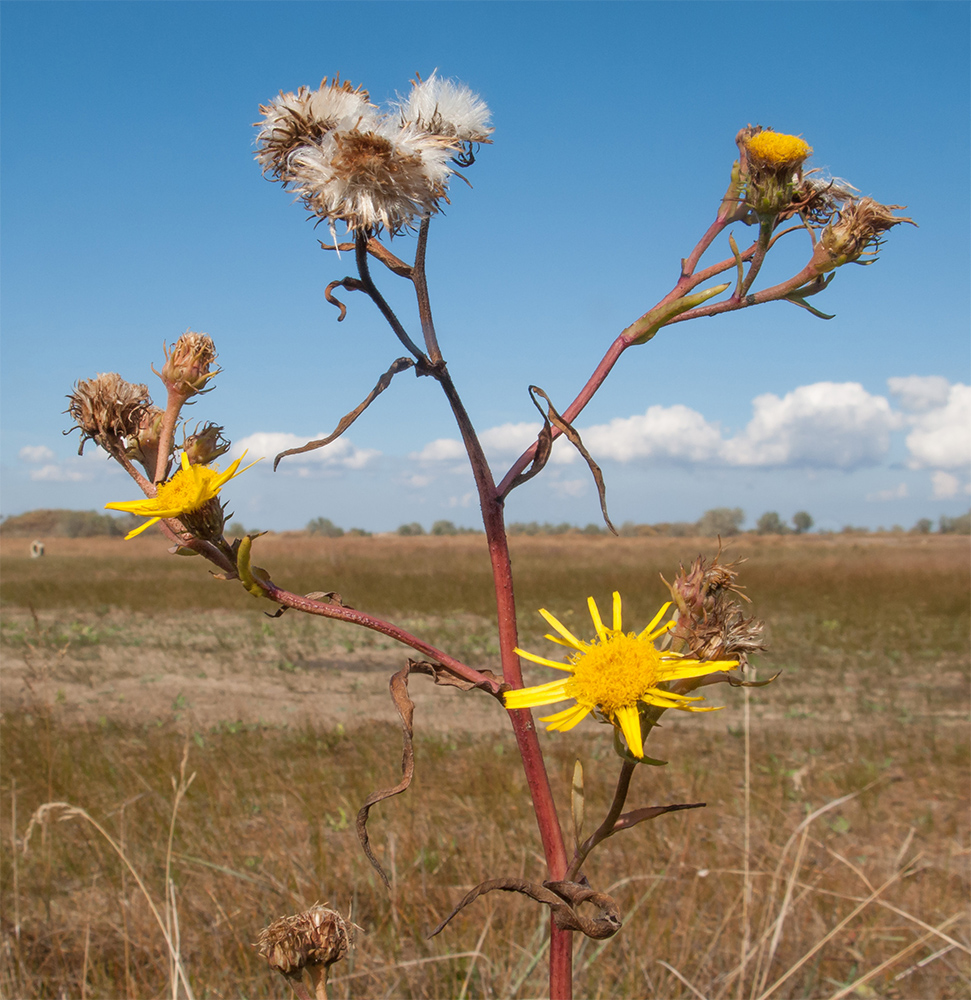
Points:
(349, 162)
(186, 369)
(856, 233)
(710, 622)
(305, 118)
(316, 937)
(107, 409)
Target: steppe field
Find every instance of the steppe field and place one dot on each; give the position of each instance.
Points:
(840, 798)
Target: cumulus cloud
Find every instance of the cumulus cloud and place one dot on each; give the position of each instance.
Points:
(505, 441)
(36, 453)
(947, 486)
(919, 392)
(340, 454)
(898, 492)
(439, 450)
(941, 437)
(672, 432)
(837, 425)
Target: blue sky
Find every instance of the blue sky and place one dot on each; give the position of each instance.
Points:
(133, 210)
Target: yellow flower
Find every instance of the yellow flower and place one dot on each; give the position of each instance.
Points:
(188, 490)
(613, 674)
(776, 150)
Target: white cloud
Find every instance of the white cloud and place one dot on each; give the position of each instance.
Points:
(947, 486)
(897, 492)
(54, 473)
(569, 487)
(673, 432)
(941, 438)
(268, 444)
(36, 453)
(824, 425)
(919, 392)
(440, 450)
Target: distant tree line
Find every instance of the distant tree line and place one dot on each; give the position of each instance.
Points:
(68, 524)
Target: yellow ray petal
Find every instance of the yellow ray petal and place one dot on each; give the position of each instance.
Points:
(542, 694)
(646, 633)
(564, 721)
(141, 528)
(563, 630)
(629, 721)
(597, 620)
(543, 660)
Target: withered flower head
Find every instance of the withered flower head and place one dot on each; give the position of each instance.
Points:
(107, 409)
(316, 937)
(857, 233)
(186, 369)
(204, 446)
(710, 623)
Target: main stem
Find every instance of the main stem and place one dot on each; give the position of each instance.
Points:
(561, 942)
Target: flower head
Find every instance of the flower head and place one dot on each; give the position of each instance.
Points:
(770, 150)
(188, 495)
(186, 369)
(771, 165)
(316, 937)
(613, 674)
(349, 162)
(107, 409)
(447, 108)
(857, 232)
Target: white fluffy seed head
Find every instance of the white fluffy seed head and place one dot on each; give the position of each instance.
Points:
(348, 162)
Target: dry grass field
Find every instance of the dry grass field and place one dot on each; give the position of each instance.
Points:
(126, 671)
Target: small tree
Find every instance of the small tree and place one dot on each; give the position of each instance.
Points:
(414, 528)
(771, 524)
(324, 526)
(802, 521)
(723, 521)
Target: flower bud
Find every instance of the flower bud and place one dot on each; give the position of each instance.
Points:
(205, 446)
(107, 409)
(186, 369)
(316, 937)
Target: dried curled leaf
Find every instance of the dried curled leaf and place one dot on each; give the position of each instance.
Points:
(406, 711)
(383, 382)
(563, 899)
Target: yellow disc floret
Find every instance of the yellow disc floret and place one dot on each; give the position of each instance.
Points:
(615, 673)
(777, 150)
